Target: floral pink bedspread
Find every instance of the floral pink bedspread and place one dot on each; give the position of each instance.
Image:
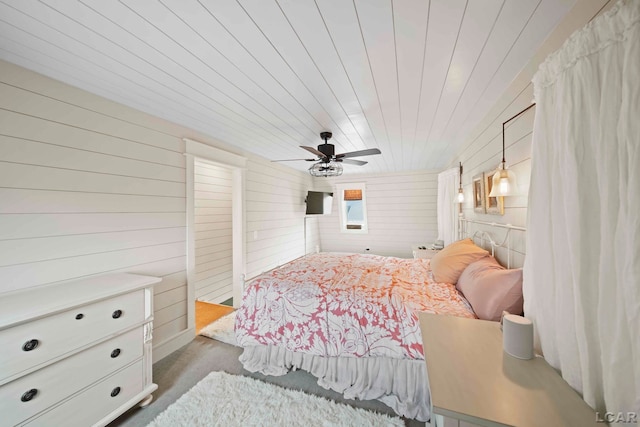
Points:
(353, 305)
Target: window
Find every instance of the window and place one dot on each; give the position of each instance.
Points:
(353, 208)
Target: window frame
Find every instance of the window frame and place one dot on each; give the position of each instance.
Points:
(342, 204)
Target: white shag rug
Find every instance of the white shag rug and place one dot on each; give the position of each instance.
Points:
(222, 329)
(223, 399)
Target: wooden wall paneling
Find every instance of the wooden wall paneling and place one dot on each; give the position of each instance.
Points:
(23, 251)
(375, 26)
(274, 215)
(234, 49)
(136, 59)
(164, 299)
(213, 251)
(170, 281)
(86, 192)
(440, 42)
(42, 272)
(27, 127)
(217, 290)
(100, 187)
(306, 21)
(352, 52)
(204, 251)
(39, 177)
(29, 152)
(26, 225)
(46, 107)
(19, 200)
(477, 24)
(401, 210)
(177, 310)
(168, 331)
(482, 150)
(277, 29)
(512, 18)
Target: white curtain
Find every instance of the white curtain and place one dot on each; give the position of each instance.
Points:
(582, 271)
(447, 209)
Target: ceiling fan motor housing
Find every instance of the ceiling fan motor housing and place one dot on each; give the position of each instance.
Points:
(327, 149)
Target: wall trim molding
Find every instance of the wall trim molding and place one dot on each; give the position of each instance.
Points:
(213, 154)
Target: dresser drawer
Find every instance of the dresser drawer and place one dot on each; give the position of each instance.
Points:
(86, 408)
(35, 344)
(60, 380)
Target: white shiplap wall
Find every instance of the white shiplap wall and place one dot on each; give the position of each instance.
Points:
(482, 151)
(401, 211)
(484, 154)
(213, 246)
(274, 206)
(88, 186)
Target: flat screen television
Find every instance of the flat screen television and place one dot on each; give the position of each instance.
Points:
(319, 203)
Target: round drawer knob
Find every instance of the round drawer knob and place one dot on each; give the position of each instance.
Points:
(115, 392)
(79, 316)
(116, 314)
(30, 345)
(28, 395)
(115, 353)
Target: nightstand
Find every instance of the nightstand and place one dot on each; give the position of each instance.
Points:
(474, 383)
(427, 253)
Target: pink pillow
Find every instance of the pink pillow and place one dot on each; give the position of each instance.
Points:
(491, 289)
(449, 263)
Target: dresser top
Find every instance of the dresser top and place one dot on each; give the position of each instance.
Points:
(28, 304)
(472, 379)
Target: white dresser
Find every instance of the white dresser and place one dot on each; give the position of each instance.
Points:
(76, 353)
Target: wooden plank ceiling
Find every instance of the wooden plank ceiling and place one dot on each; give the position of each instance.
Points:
(410, 77)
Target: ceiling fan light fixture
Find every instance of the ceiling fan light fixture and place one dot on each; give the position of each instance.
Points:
(328, 162)
(325, 170)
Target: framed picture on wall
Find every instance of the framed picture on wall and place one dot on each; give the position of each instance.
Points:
(493, 205)
(478, 193)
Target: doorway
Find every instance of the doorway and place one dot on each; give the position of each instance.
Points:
(213, 185)
(215, 224)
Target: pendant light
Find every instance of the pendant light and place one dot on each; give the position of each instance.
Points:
(504, 181)
(460, 198)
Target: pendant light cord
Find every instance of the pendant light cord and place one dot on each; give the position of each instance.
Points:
(507, 121)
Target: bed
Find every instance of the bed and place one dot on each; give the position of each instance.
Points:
(351, 321)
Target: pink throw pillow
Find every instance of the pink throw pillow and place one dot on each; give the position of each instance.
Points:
(491, 289)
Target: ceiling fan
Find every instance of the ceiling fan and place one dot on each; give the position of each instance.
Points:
(328, 163)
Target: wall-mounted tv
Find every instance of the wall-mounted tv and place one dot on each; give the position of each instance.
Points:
(319, 203)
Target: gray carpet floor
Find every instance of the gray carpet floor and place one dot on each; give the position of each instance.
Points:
(181, 370)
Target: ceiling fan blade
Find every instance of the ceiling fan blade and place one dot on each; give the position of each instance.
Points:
(352, 162)
(295, 160)
(314, 151)
(367, 152)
